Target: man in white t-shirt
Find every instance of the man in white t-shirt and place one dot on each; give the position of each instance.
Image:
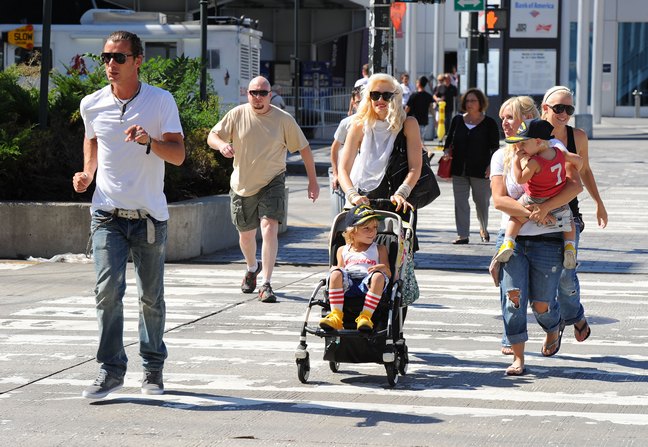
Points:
(131, 130)
(365, 77)
(257, 135)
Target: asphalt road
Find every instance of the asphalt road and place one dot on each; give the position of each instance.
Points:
(231, 377)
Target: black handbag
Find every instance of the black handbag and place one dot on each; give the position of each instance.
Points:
(426, 188)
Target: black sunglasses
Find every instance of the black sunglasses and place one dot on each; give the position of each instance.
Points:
(257, 93)
(120, 58)
(560, 108)
(375, 96)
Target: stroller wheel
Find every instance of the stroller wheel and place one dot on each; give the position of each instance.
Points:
(403, 361)
(335, 366)
(392, 373)
(303, 369)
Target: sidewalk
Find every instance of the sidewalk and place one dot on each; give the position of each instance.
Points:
(617, 155)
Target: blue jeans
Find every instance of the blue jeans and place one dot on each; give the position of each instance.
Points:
(535, 269)
(112, 241)
(571, 308)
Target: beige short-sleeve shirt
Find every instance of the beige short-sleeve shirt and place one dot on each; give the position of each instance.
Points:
(260, 143)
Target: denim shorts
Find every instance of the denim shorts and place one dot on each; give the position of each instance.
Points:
(269, 202)
(358, 285)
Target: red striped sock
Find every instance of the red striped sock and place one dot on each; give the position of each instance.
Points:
(371, 301)
(336, 298)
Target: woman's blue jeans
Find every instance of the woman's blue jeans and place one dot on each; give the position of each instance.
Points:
(571, 308)
(114, 238)
(535, 269)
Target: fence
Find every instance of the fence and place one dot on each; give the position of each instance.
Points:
(321, 109)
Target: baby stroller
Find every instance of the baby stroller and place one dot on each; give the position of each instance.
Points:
(385, 343)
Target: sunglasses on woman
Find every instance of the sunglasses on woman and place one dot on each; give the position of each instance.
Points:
(375, 96)
(560, 108)
(120, 58)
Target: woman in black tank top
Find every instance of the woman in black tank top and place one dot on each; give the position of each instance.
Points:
(557, 108)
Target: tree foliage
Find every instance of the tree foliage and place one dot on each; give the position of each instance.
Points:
(38, 164)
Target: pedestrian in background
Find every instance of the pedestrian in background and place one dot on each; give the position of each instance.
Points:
(472, 138)
(257, 135)
(131, 130)
(337, 195)
(445, 91)
(557, 108)
(359, 84)
(276, 99)
(406, 87)
(419, 105)
(365, 77)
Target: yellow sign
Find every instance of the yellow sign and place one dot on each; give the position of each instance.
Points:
(22, 37)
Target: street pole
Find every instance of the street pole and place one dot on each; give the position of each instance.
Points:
(438, 40)
(296, 62)
(203, 50)
(597, 61)
(582, 119)
(379, 37)
(46, 63)
(473, 50)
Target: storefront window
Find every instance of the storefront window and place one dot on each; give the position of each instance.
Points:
(632, 73)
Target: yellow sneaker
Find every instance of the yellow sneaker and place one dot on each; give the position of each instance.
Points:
(333, 321)
(505, 251)
(364, 321)
(569, 256)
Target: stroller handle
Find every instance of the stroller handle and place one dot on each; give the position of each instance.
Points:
(410, 214)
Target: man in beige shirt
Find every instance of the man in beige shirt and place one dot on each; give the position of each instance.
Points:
(257, 135)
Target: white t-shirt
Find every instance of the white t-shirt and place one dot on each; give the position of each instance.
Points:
(361, 82)
(343, 129)
(407, 91)
(515, 191)
(127, 177)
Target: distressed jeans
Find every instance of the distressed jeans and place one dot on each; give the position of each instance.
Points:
(534, 269)
(571, 308)
(114, 238)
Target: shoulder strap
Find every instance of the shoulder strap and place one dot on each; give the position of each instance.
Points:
(571, 143)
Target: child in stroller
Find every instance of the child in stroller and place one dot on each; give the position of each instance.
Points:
(376, 336)
(362, 270)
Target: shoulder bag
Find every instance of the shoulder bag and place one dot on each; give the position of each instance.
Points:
(426, 189)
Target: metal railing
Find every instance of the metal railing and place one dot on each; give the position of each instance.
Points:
(321, 108)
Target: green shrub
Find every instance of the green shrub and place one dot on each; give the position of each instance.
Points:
(38, 164)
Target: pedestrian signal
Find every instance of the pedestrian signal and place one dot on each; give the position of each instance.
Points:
(496, 20)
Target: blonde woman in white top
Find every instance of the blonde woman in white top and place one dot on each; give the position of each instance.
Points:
(370, 141)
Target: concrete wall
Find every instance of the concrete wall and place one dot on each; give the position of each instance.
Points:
(45, 229)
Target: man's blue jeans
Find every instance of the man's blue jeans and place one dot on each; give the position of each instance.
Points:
(112, 241)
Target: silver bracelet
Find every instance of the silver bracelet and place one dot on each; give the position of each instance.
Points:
(351, 191)
(404, 190)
